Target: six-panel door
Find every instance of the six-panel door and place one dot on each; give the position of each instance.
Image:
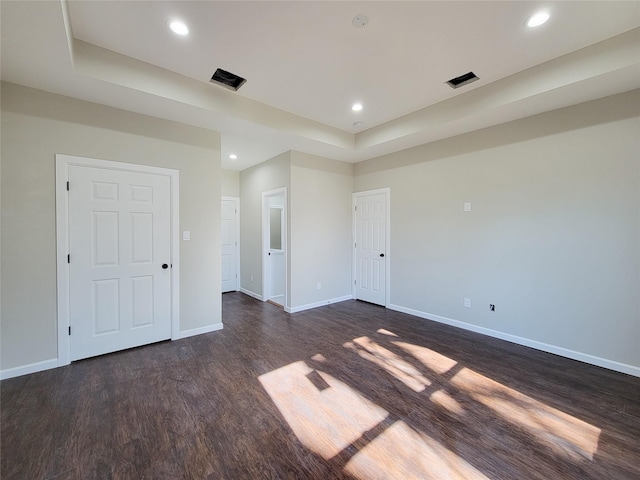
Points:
(120, 259)
(370, 249)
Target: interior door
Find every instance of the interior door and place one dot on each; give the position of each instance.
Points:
(229, 243)
(274, 247)
(370, 248)
(120, 259)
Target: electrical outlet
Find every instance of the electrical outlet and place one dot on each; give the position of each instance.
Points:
(319, 286)
(492, 307)
(467, 303)
(252, 278)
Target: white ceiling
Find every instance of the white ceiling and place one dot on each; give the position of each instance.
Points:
(305, 64)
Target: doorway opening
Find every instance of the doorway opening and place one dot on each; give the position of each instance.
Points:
(274, 247)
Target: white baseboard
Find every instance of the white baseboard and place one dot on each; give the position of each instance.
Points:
(198, 331)
(251, 294)
(323, 303)
(53, 363)
(30, 368)
(545, 347)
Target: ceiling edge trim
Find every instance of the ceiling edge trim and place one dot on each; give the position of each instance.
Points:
(604, 57)
(109, 66)
(66, 18)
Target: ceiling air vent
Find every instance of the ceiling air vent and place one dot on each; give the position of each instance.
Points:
(227, 79)
(463, 80)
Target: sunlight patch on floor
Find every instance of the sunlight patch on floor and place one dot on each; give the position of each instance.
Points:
(446, 401)
(386, 332)
(401, 452)
(429, 358)
(389, 361)
(563, 433)
(334, 420)
(325, 421)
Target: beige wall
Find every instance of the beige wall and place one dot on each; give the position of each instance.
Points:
(37, 125)
(230, 183)
(269, 175)
(553, 237)
(319, 225)
(320, 229)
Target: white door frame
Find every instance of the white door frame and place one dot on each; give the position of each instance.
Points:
(266, 219)
(236, 201)
(63, 162)
(387, 193)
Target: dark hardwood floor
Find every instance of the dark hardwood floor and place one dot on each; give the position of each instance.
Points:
(350, 390)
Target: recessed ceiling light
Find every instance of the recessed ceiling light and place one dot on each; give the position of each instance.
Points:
(537, 19)
(356, 107)
(179, 28)
(233, 156)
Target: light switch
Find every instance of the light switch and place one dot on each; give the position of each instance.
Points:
(467, 206)
(186, 235)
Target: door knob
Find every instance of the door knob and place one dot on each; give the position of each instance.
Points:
(165, 266)
(382, 254)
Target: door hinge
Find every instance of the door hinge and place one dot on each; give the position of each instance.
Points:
(67, 186)
(69, 329)
(355, 245)
(69, 258)
(354, 282)
(356, 207)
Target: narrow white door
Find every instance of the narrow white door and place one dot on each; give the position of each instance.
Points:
(370, 248)
(120, 260)
(229, 242)
(274, 247)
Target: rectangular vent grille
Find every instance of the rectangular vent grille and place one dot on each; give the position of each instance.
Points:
(463, 80)
(227, 79)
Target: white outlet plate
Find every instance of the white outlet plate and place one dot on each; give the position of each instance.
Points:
(467, 303)
(186, 235)
(467, 206)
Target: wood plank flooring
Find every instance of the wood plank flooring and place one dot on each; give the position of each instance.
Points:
(350, 390)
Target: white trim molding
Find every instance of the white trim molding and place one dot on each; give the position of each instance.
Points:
(198, 331)
(27, 369)
(250, 293)
(322, 303)
(544, 347)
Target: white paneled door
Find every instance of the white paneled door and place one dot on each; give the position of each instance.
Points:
(370, 247)
(120, 259)
(229, 242)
